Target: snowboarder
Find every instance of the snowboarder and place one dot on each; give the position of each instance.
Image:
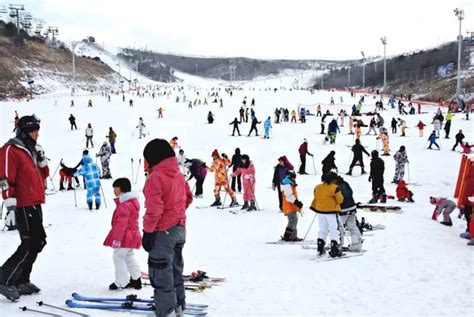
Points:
(377, 167)
(23, 168)
(403, 193)
(403, 125)
(401, 159)
(303, 150)
(235, 164)
(219, 167)
(267, 125)
(112, 138)
(329, 163)
(348, 216)
(443, 206)
(293, 116)
(167, 196)
(437, 126)
(459, 137)
(210, 118)
(372, 125)
(92, 180)
(247, 170)
(291, 206)
(241, 114)
(279, 174)
(72, 121)
(357, 150)
(124, 236)
(105, 153)
(254, 126)
(235, 124)
(141, 127)
(333, 129)
(89, 135)
(432, 139)
(327, 204)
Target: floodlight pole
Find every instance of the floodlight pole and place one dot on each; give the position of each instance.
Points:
(460, 15)
(384, 42)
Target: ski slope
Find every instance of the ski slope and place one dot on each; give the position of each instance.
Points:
(414, 267)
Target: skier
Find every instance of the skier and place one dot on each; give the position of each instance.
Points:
(357, 150)
(393, 124)
(236, 126)
(105, 153)
(332, 100)
(22, 174)
(443, 206)
(328, 163)
(160, 112)
(447, 125)
(403, 125)
(348, 218)
(421, 126)
(254, 126)
(351, 124)
(182, 161)
(141, 127)
(92, 180)
(403, 193)
(72, 121)
(112, 138)
(459, 137)
(401, 159)
(167, 196)
(290, 206)
(377, 168)
(89, 103)
(293, 116)
(333, 129)
(279, 174)
(327, 204)
(235, 164)
(124, 236)
(198, 170)
(15, 121)
(267, 125)
(252, 103)
(432, 139)
(303, 150)
(130, 103)
(219, 167)
(210, 118)
(241, 114)
(466, 148)
(89, 135)
(67, 173)
(247, 170)
(372, 125)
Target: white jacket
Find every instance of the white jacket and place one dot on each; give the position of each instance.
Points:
(89, 131)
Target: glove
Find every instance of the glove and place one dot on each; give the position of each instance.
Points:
(147, 241)
(10, 204)
(116, 244)
(273, 187)
(311, 155)
(298, 203)
(248, 177)
(370, 178)
(40, 157)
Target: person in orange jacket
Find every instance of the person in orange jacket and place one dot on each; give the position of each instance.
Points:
(219, 167)
(290, 206)
(403, 193)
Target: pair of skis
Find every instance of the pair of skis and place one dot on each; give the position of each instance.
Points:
(135, 176)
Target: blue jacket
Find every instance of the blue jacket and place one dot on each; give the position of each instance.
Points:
(90, 171)
(268, 124)
(333, 127)
(433, 138)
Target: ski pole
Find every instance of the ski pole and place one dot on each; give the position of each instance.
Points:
(408, 171)
(138, 171)
(75, 199)
(24, 308)
(52, 183)
(60, 308)
(103, 195)
(253, 196)
(132, 169)
(314, 166)
(311, 224)
(57, 168)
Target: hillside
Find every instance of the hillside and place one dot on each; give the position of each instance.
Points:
(23, 58)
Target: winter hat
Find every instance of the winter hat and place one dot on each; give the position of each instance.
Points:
(123, 183)
(305, 140)
(402, 148)
(85, 152)
(332, 153)
(237, 150)
(156, 151)
(375, 154)
(27, 124)
(215, 153)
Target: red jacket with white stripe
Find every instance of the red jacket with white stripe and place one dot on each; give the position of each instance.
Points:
(25, 178)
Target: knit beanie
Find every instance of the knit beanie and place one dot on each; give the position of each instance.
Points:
(156, 151)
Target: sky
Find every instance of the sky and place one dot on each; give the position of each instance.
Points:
(296, 29)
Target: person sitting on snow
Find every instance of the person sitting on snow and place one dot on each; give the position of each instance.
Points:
(403, 193)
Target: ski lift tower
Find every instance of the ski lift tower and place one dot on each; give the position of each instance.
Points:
(384, 43)
(363, 68)
(459, 13)
(15, 13)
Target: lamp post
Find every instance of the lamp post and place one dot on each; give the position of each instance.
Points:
(363, 69)
(384, 42)
(460, 15)
(348, 77)
(73, 47)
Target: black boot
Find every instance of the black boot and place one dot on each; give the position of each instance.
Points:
(335, 249)
(69, 186)
(97, 206)
(374, 199)
(363, 171)
(321, 244)
(288, 235)
(245, 206)
(136, 284)
(90, 206)
(28, 289)
(234, 202)
(217, 202)
(383, 200)
(350, 172)
(61, 186)
(252, 206)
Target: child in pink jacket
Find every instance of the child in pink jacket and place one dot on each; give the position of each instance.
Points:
(125, 236)
(247, 171)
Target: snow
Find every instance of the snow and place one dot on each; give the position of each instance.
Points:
(413, 267)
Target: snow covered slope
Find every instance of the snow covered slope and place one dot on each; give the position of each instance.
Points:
(414, 267)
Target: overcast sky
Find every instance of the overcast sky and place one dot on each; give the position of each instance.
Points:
(312, 29)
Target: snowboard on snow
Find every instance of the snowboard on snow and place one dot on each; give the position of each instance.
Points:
(380, 208)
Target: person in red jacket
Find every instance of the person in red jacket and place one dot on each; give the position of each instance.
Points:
(125, 236)
(167, 196)
(303, 150)
(23, 168)
(403, 193)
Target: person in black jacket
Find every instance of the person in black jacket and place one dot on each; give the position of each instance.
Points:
(72, 121)
(377, 168)
(279, 174)
(236, 126)
(329, 162)
(358, 149)
(198, 170)
(347, 216)
(394, 124)
(241, 113)
(254, 126)
(235, 164)
(459, 137)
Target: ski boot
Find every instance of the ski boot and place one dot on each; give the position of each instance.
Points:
(363, 172)
(28, 289)
(245, 206)
(136, 284)
(69, 187)
(446, 223)
(252, 206)
(383, 200)
(374, 199)
(61, 186)
(471, 242)
(335, 249)
(350, 172)
(9, 292)
(234, 202)
(97, 206)
(217, 202)
(294, 236)
(90, 206)
(321, 244)
(113, 287)
(288, 235)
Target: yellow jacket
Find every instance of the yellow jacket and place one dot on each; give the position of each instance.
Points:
(327, 199)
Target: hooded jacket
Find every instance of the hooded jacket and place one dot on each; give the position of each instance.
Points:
(91, 173)
(327, 199)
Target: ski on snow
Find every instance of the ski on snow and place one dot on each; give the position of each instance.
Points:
(323, 258)
(303, 242)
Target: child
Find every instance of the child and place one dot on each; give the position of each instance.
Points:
(421, 127)
(403, 192)
(432, 139)
(466, 148)
(326, 203)
(247, 170)
(445, 206)
(290, 206)
(125, 236)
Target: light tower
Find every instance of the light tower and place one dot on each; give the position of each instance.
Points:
(363, 69)
(384, 42)
(460, 15)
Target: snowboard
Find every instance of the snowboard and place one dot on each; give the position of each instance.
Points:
(380, 208)
(293, 242)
